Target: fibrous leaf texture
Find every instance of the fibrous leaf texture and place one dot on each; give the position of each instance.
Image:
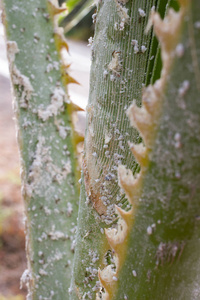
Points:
(144, 243)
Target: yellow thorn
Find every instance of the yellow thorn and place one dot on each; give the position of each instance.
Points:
(68, 79)
(60, 39)
(55, 9)
(74, 107)
(184, 2)
(67, 66)
(77, 138)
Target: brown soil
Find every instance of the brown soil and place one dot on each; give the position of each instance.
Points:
(12, 244)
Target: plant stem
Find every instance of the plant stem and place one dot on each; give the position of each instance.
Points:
(49, 168)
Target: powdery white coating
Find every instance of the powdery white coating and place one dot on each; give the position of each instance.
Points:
(90, 41)
(69, 209)
(149, 230)
(123, 14)
(42, 272)
(43, 171)
(56, 235)
(177, 137)
(180, 50)
(197, 25)
(62, 132)
(136, 47)
(108, 137)
(91, 270)
(47, 211)
(143, 48)
(116, 64)
(141, 12)
(112, 77)
(25, 88)
(105, 73)
(178, 143)
(94, 17)
(121, 24)
(121, 146)
(184, 88)
(67, 168)
(52, 66)
(58, 99)
(25, 278)
(134, 273)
